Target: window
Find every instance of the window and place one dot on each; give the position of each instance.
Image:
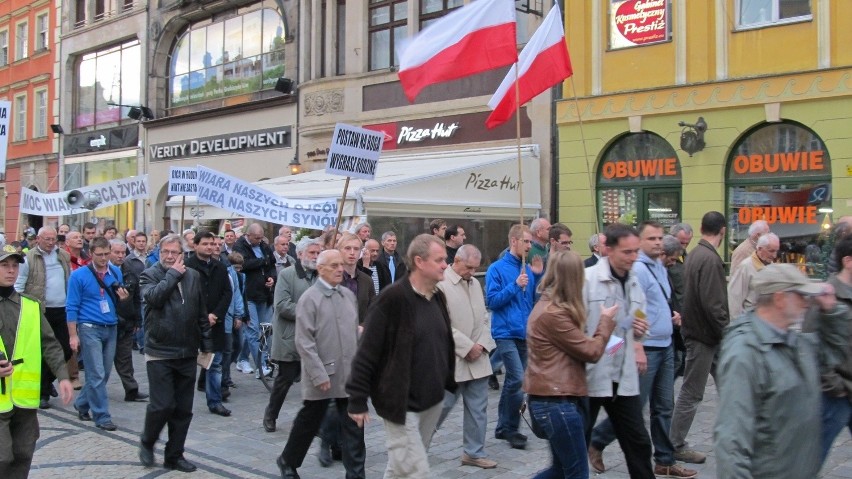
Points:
(42, 29)
(40, 117)
(431, 10)
(112, 75)
(22, 44)
(4, 48)
(239, 55)
(20, 133)
(766, 12)
(388, 25)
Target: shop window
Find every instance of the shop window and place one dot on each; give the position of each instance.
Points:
(22, 41)
(93, 173)
(42, 32)
(431, 10)
(4, 47)
(781, 173)
(767, 12)
(40, 116)
(638, 180)
(388, 26)
(20, 131)
(239, 55)
(107, 78)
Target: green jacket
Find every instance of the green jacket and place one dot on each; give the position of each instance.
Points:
(768, 420)
(835, 355)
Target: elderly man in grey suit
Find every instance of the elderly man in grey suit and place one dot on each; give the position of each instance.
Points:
(326, 338)
(471, 326)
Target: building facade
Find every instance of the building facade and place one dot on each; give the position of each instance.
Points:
(769, 82)
(28, 48)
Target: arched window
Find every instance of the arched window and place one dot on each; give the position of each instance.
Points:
(238, 55)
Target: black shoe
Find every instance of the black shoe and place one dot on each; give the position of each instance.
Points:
(135, 347)
(230, 384)
(269, 424)
(136, 397)
(493, 383)
(517, 441)
(53, 392)
(220, 410)
(83, 416)
(141, 350)
(201, 388)
(324, 455)
(146, 455)
(226, 393)
(287, 472)
(44, 403)
(107, 426)
(180, 464)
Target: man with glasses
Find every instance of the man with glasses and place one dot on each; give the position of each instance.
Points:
(769, 421)
(93, 295)
(560, 239)
(44, 276)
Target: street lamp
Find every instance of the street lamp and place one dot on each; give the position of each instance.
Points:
(295, 166)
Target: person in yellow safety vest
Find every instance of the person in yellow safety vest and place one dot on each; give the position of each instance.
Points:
(25, 338)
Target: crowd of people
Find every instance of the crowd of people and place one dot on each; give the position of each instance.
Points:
(357, 320)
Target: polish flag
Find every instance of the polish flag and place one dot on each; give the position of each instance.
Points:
(544, 62)
(477, 37)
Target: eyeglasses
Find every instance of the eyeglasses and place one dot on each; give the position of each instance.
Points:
(566, 243)
(166, 252)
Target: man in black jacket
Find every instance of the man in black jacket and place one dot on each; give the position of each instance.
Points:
(129, 314)
(389, 265)
(259, 268)
(216, 286)
(176, 327)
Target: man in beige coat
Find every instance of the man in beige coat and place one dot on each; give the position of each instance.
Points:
(326, 339)
(471, 325)
(741, 296)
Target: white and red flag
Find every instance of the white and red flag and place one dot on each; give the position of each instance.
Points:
(544, 62)
(477, 37)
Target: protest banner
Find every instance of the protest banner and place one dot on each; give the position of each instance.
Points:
(182, 181)
(5, 114)
(232, 194)
(354, 152)
(111, 193)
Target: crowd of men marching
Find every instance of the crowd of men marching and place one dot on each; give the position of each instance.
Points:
(356, 318)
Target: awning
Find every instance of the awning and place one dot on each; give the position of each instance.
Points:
(477, 183)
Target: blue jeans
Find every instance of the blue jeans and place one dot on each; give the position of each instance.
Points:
(259, 313)
(474, 394)
(213, 385)
(513, 352)
(836, 414)
(657, 384)
(562, 425)
(97, 344)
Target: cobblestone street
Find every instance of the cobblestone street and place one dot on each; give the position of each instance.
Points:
(238, 447)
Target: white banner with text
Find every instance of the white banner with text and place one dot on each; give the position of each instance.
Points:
(111, 193)
(183, 181)
(354, 152)
(5, 114)
(232, 194)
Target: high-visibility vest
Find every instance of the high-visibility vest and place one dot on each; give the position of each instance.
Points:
(23, 387)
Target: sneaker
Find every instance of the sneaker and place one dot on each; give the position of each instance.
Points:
(482, 462)
(266, 372)
(244, 367)
(690, 456)
(596, 459)
(674, 470)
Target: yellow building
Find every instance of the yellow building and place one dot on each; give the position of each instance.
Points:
(772, 80)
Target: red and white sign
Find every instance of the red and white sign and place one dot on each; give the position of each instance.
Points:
(638, 22)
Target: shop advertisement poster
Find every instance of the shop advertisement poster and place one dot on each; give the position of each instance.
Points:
(232, 194)
(183, 181)
(111, 193)
(354, 152)
(638, 22)
(5, 114)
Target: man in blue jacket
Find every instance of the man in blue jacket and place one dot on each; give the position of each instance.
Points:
(510, 295)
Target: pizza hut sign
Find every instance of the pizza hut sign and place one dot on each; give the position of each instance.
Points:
(638, 22)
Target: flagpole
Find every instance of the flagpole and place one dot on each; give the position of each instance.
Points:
(520, 166)
(342, 203)
(586, 156)
(182, 212)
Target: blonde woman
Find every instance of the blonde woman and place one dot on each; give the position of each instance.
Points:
(558, 350)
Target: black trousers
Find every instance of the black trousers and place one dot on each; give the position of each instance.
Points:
(307, 424)
(59, 325)
(625, 412)
(287, 372)
(124, 361)
(170, 403)
(18, 435)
